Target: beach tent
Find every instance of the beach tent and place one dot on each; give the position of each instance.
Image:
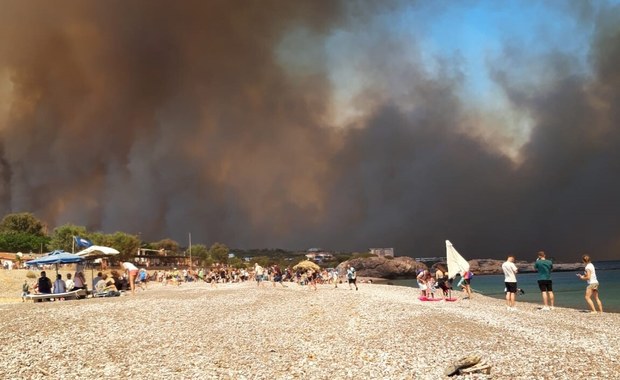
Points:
(456, 263)
(306, 265)
(56, 257)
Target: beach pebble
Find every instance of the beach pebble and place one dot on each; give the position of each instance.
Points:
(236, 331)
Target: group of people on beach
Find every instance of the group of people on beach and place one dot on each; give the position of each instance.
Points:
(115, 282)
(309, 276)
(544, 267)
(428, 283)
(103, 283)
(44, 285)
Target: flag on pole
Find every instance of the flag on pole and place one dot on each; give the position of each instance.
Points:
(82, 242)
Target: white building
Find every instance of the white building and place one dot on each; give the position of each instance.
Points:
(382, 252)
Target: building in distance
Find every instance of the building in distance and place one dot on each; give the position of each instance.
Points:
(382, 252)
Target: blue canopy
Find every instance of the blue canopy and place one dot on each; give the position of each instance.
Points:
(56, 257)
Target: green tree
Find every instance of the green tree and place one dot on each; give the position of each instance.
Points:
(23, 222)
(62, 237)
(219, 253)
(208, 262)
(236, 262)
(126, 244)
(23, 242)
(167, 245)
(99, 238)
(201, 251)
(263, 261)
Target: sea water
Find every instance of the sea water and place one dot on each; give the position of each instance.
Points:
(568, 289)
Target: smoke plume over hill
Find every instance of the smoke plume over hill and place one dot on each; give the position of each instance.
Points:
(225, 119)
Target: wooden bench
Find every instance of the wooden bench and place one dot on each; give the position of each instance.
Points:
(75, 294)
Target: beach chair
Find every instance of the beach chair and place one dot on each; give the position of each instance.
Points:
(75, 294)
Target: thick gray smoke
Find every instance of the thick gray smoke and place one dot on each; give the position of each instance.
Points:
(162, 119)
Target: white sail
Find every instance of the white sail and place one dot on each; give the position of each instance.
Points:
(456, 263)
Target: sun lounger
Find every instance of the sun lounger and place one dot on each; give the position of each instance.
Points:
(75, 294)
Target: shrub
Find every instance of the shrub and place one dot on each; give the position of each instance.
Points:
(31, 274)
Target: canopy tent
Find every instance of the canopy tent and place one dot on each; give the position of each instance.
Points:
(97, 251)
(456, 263)
(306, 265)
(56, 257)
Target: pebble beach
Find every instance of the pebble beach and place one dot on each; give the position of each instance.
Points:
(239, 331)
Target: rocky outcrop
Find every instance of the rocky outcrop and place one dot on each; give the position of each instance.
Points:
(406, 267)
(381, 267)
(486, 266)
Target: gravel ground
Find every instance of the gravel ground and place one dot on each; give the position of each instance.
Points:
(239, 331)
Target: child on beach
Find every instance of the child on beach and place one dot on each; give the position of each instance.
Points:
(335, 277)
(25, 290)
(69, 284)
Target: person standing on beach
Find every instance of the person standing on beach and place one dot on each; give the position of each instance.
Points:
(259, 272)
(510, 281)
(592, 289)
(351, 276)
(442, 279)
(335, 277)
(25, 290)
(132, 272)
(544, 267)
(467, 275)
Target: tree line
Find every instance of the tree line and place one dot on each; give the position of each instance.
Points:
(23, 232)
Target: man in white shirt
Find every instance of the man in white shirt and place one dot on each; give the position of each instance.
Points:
(510, 281)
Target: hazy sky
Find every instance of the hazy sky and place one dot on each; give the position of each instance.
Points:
(297, 124)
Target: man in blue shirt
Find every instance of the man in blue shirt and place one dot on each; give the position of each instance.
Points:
(544, 268)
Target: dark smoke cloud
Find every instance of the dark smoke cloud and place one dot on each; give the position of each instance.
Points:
(165, 118)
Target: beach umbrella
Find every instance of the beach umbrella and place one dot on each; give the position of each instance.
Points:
(97, 252)
(456, 263)
(56, 257)
(306, 265)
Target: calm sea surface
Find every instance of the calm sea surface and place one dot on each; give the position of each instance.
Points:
(569, 291)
